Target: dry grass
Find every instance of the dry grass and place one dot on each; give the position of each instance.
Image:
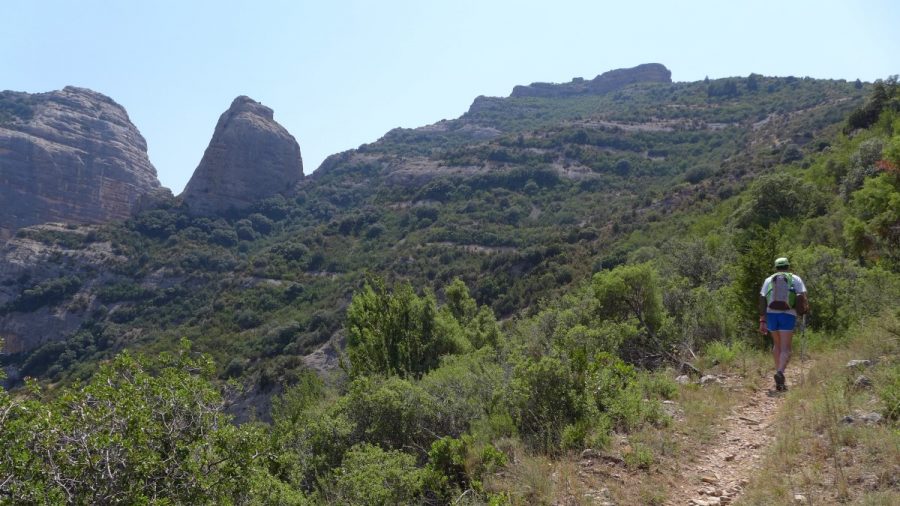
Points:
(638, 468)
(698, 419)
(705, 407)
(536, 479)
(817, 455)
(814, 454)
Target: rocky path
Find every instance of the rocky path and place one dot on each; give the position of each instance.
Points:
(726, 466)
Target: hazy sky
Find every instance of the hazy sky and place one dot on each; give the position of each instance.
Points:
(342, 73)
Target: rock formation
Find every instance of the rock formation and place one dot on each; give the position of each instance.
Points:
(71, 156)
(250, 157)
(44, 299)
(604, 83)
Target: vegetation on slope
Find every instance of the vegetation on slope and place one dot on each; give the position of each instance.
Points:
(569, 187)
(439, 396)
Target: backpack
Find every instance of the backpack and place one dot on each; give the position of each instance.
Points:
(782, 295)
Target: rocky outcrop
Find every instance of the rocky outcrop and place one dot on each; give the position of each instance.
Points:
(250, 157)
(604, 83)
(69, 156)
(46, 272)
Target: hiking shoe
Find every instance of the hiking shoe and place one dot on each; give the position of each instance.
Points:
(779, 382)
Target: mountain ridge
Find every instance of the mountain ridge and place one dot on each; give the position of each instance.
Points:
(603, 83)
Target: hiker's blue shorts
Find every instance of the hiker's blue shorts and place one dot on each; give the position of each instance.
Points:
(780, 321)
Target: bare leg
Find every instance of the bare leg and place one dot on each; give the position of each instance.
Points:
(785, 355)
(776, 348)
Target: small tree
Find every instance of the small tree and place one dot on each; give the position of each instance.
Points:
(397, 333)
(631, 294)
(142, 431)
(778, 196)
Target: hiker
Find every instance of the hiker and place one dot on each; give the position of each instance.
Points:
(781, 299)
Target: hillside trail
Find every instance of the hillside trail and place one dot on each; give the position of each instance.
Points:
(722, 470)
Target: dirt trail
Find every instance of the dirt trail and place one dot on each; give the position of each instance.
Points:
(726, 466)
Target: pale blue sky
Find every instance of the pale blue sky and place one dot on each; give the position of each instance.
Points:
(342, 73)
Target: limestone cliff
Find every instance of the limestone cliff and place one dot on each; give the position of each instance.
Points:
(69, 156)
(604, 83)
(250, 157)
(43, 298)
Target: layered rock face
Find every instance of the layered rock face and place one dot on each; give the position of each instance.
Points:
(604, 83)
(71, 156)
(250, 157)
(30, 269)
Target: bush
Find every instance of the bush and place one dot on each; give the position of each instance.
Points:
(722, 353)
(447, 459)
(392, 413)
(464, 388)
(398, 332)
(158, 223)
(142, 431)
(698, 173)
(291, 250)
(544, 399)
(244, 230)
(371, 476)
(888, 390)
(657, 385)
(615, 392)
(640, 457)
(43, 294)
(261, 223)
(309, 444)
(248, 319)
(125, 290)
(630, 295)
(224, 237)
(776, 196)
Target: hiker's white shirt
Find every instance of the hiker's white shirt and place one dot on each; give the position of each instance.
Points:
(799, 288)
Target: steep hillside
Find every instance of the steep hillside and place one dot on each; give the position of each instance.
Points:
(519, 197)
(71, 156)
(627, 367)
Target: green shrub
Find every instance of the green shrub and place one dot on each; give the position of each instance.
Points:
(224, 237)
(45, 293)
(447, 458)
(631, 294)
(491, 459)
(616, 393)
(16, 105)
(465, 388)
(398, 332)
(141, 431)
(658, 385)
(392, 413)
(640, 457)
(371, 476)
(308, 445)
(124, 290)
(776, 196)
(292, 405)
(722, 353)
(544, 399)
(158, 223)
(248, 319)
(888, 390)
(574, 435)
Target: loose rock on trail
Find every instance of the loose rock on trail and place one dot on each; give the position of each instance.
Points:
(725, 467)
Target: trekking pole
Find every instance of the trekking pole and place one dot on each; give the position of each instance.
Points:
(803, 350)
